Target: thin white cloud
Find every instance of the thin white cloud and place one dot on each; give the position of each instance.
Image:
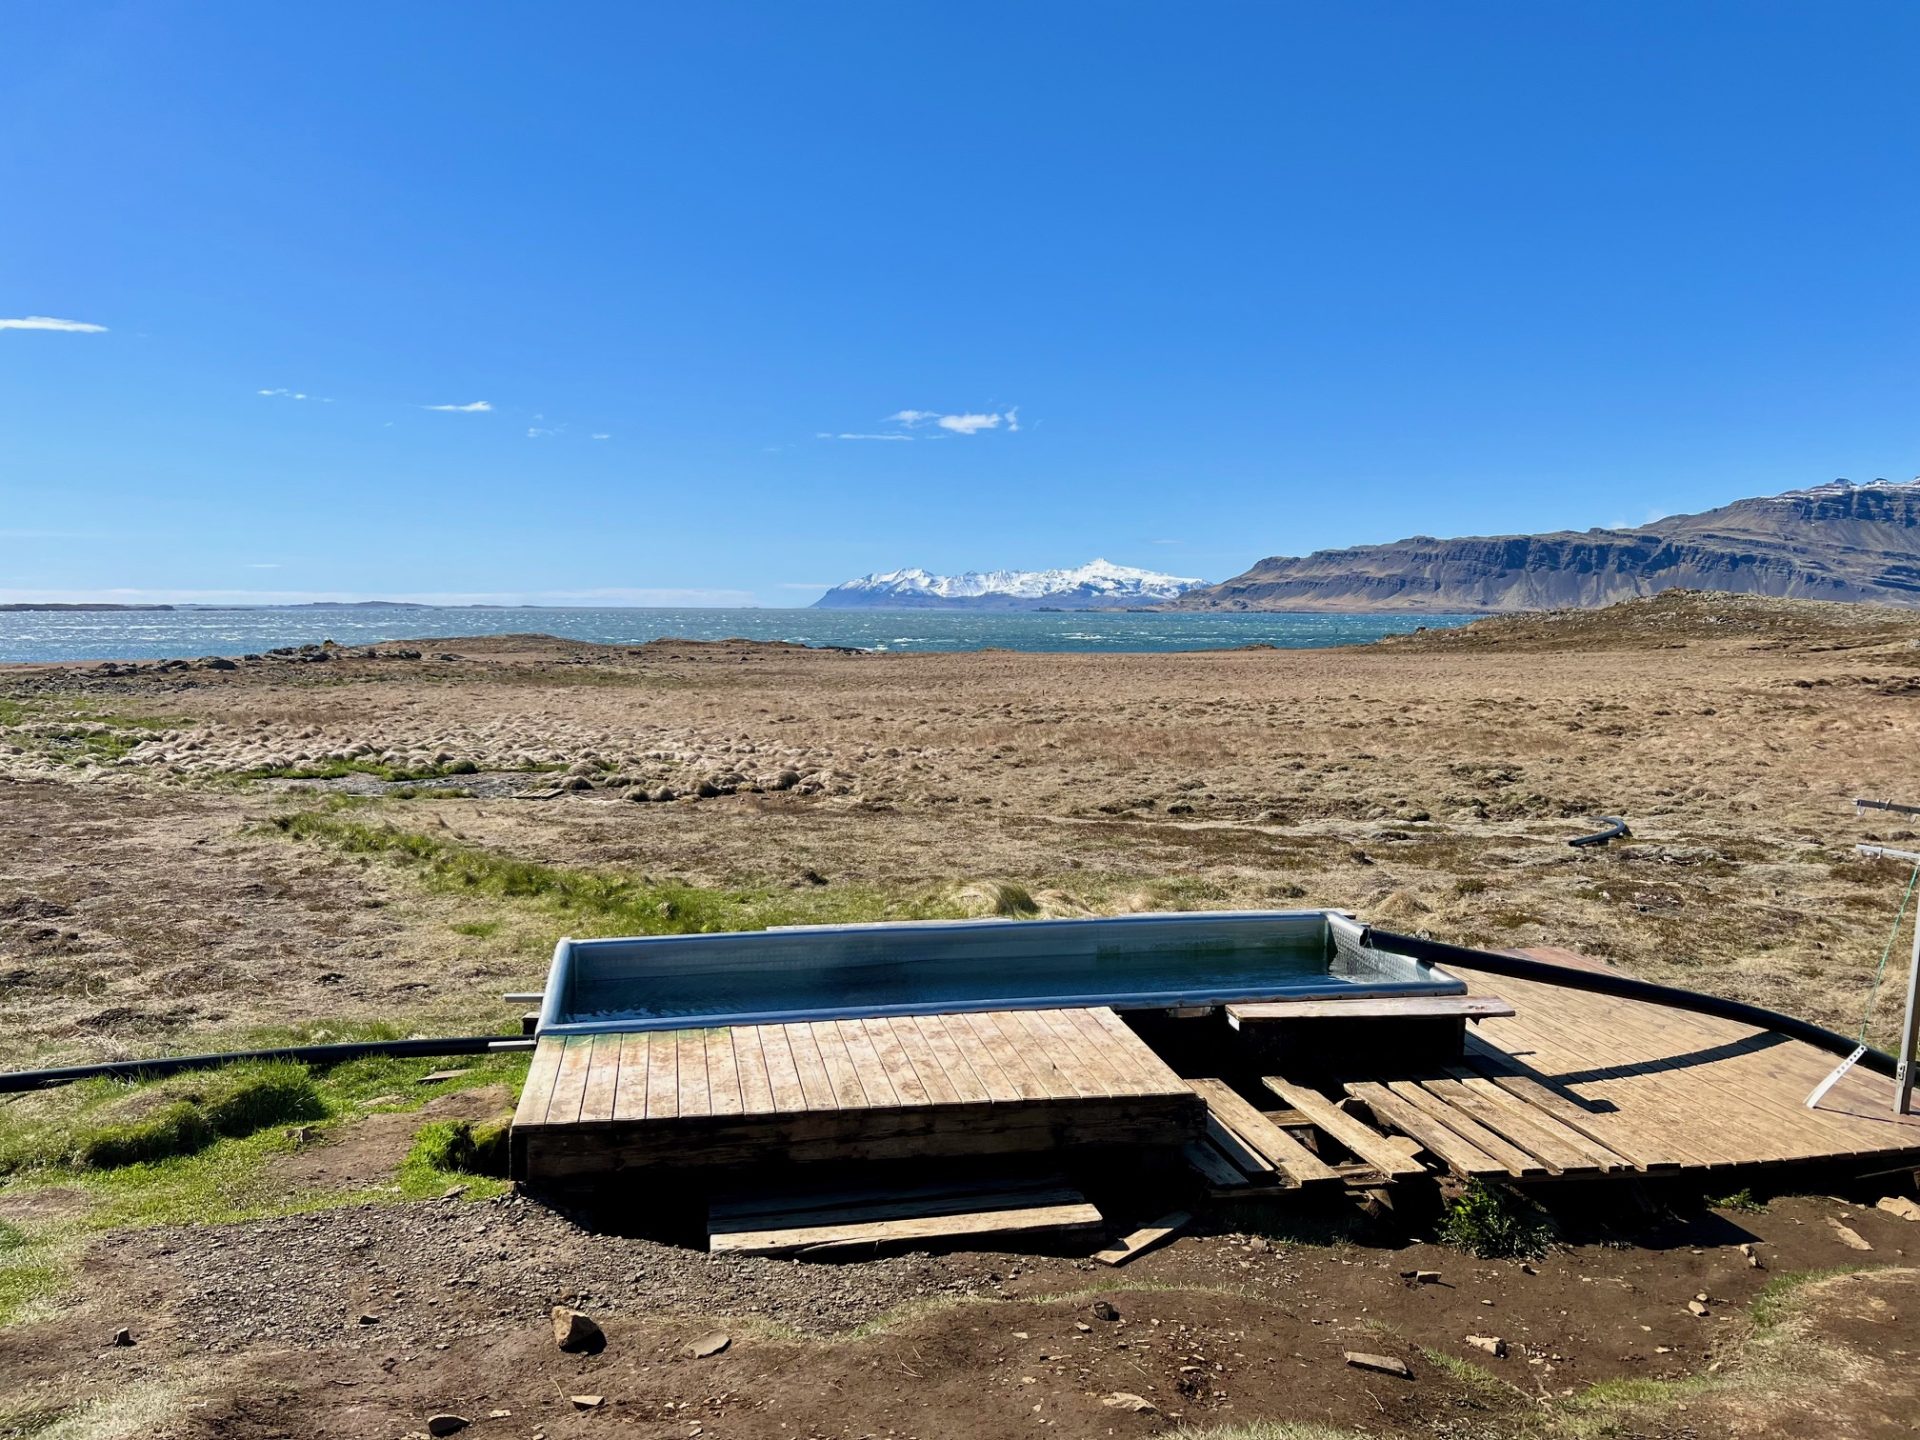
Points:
(48, 322)
(534, 432)
(969, 424)
(961, 423)
(602, 437)
(829, 435)
(286, 394)
(478, 407)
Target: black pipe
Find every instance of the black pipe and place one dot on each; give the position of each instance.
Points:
(18, 1080)
(1436, 952)
(1616, 830)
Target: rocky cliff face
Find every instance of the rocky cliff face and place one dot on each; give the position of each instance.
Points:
(1834, 542)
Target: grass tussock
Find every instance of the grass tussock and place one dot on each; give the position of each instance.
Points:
(458, 1147)
(603, 902)
(341, 769)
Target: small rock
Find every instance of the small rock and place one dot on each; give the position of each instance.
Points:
(1101, 1310)
(709, 1344)
(1699, 1307)
(1127, 1400)
(1898, 1205)
(1082, 1326)
(1492, 1344)
(1848, 1236)
(453, 1192)
(369, 1319)
(437, 1076)
(123, 1337)
(1752, 1258)
(587, 1402)
(575, 1330)
(447, 1424)
(1426, 1277)
(1384, 1364)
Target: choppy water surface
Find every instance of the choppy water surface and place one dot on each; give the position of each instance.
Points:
(28, 635)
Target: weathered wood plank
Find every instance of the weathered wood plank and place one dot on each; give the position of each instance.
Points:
(1386, 1007)
(1288, 1155)
(1132, 1246)
(603, 1078)
(823, 1238)
(1368, 1144)
(570, 1084)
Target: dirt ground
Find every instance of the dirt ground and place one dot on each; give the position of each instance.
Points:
(148, 902)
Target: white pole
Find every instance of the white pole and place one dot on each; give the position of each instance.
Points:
(1910, 1029)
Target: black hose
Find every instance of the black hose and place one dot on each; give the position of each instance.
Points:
(1436, 952)
(1616, 830)
(17, 1080)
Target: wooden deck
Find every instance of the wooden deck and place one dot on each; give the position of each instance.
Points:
(917, 1087)
(1574, 1083)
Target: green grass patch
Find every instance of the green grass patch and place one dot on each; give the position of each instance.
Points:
(257, 1113)
(1779, 1296)
(603, 902)
(341, 769)
(456, 1152)
(1493, 1223)
(478, 929)
(1742, 1200)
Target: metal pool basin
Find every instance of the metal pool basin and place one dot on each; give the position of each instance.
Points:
(673, 982)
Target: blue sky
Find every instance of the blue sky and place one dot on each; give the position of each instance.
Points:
(1187, 284)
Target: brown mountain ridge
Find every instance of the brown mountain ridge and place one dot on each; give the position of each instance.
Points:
(1839, 541)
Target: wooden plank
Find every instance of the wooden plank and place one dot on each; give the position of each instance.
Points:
(1518, 1162)
(1046, 1054)
(696, 1098)
(1368, 1144)
(723, 1073)
(570, 1084)
(1006, 1056)
(1131, 1247)
(902, 1074)
(1498, 1069)
(814, 1081)
(848, 1093)
(1122, 1058)
(963, 1201)
(783, 1075)
(823, 1238)
(1595, 1154)
(1558, 1150)
(1288, 1155)
(603, 1079)
(1214, 1167)
(982, 1057)
(537, 1093)
(1248, 1159)
(663, 1075)
(1394, 1007)
(1159, 1075)
(630, 1094)
(946, 1047)
(750, 1064)
(866, 1063)
(933, 1075)
(1443, 1142)
(756, 1209)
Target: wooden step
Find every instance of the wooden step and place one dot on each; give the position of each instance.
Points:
(1392, 1007)
(828, 1236)
(1287, 1155)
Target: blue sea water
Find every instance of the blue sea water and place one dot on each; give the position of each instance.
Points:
(37, 635)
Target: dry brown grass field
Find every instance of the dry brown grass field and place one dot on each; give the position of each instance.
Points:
(148, 899)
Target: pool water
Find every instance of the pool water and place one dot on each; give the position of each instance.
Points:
(843, 972)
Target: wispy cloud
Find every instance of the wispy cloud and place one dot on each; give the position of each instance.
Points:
(966, 422)
(284, 394)
(830, 435)
(601, 436)
(263, 565)
(478, 407)
(47, 322)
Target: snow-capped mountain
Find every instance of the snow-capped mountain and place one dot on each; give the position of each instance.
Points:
(1100, 583)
